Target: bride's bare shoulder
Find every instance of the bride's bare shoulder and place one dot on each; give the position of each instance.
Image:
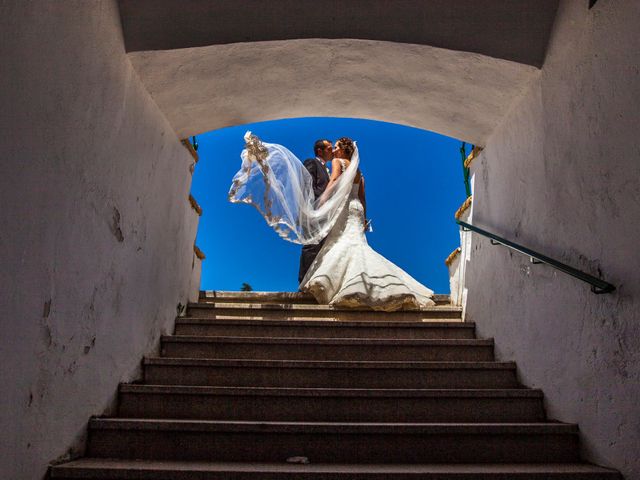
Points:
(339, 165)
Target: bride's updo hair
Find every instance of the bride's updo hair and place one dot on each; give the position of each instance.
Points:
(347, 146)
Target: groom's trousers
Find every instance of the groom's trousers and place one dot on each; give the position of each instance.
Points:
(308, 255)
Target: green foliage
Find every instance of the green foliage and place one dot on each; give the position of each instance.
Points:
(465, 170)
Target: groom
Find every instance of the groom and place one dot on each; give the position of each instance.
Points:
(320, 174)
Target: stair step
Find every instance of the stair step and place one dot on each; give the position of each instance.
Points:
(220, 296)
(263, 376)
(330, 404)
(329, 374)
(153, 439)
(284, 311)
(323, 328)
(294, 348)
(109, 469)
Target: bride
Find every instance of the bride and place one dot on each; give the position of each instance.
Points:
(347, 272)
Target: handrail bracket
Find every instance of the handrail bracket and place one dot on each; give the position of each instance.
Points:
(600, 291)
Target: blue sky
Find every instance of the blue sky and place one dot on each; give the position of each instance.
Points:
(414, 186)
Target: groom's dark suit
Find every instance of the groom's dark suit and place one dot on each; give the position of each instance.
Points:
(320, 176)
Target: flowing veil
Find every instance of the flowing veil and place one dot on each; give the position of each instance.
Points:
(279, 186)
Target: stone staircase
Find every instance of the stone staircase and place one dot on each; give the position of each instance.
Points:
(251, 380)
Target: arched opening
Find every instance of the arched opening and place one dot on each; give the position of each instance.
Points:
(460, 94)
(414, 185)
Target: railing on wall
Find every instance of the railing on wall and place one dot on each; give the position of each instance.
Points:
(597, 286)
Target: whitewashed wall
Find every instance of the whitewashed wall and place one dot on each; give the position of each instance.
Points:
(458, 266)
(561, 175)
(96, 233)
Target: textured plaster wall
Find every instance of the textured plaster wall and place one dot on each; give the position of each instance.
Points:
(561, 175)
(460, 94)
(96, 233)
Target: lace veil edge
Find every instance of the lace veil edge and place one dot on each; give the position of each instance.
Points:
(274, 181)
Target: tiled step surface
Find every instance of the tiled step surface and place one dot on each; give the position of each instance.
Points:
(331, 405)
(250, 380)
(212, 296)
(329, 374)
(286, 311)
(109, 469)
(323, 329)
(159, 439)
(296, 348)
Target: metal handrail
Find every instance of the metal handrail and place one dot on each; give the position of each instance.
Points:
(597, 286)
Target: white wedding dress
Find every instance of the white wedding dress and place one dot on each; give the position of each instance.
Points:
(348, 273)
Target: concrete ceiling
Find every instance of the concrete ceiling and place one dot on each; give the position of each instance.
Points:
(453, 67)
(516, 30)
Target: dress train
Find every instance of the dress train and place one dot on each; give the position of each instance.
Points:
(348, 273)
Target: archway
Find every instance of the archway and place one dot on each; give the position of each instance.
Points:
(414, 185)
(439, 66)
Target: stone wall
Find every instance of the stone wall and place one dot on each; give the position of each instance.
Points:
(561, 175)
(96, 237)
